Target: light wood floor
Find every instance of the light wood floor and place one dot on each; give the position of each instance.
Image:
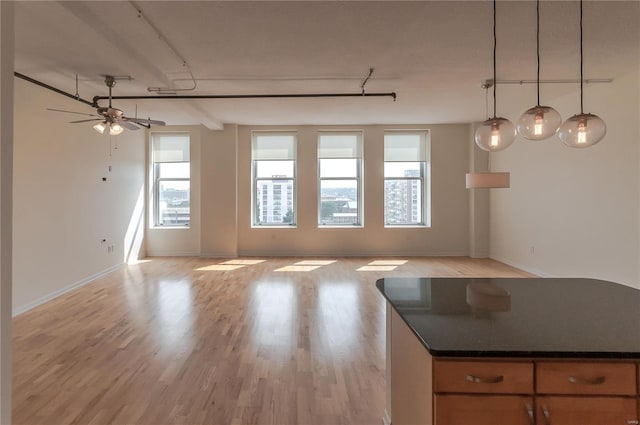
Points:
(216, 342)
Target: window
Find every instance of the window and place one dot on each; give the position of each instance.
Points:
(274, 175)
(406, 172)
(339, 175)
(171, 170)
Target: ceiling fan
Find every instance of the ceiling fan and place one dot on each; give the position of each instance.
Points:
(112, 118)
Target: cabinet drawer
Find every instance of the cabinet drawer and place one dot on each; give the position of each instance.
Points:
(483, 377)
(483, 410)
(586, 378)
(586, 410)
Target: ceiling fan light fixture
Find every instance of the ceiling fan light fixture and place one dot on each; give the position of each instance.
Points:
(539, 122)
(100, 127)
(115, 129)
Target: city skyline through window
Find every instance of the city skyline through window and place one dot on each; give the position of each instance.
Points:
(406, 170)
(274, 169)
(339, 175)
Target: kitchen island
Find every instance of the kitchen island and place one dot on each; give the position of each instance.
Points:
(492, 351)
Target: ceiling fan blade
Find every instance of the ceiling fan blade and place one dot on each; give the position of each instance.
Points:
(91, 119)
(72, 112)
(128, 125)
(143, 121)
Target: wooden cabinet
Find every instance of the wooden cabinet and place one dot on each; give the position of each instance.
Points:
(410, 374)
(428, 390)
(483, 392)
(483, 410)
(556, 410)
(483, 377)
(586, 378)
(586, 393)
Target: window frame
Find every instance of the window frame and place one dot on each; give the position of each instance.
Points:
(359, 178)
(156, 180)
(424, 178)
(255, 179)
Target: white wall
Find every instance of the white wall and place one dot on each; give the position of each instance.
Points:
(225, 192)
(6, 173)
(448, 234)
(62, 208)
(577, 208)
(163, 241)
(219, 236)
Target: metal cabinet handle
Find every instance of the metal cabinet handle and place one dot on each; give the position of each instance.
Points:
(485, 380)
(632, 422)
(547, 416)
(587, 381)
(530, 413)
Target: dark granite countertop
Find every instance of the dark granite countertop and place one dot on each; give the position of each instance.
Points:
(519, 317)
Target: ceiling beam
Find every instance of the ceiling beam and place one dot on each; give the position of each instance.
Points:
(81, 11)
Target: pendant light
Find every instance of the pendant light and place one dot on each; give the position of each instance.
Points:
(539, 122)
(582, 130)
(495, 133)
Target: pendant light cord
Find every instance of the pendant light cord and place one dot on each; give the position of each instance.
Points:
(495, 42)
(581, 66)
(538, 48)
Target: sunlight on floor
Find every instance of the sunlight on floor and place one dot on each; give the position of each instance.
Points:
(134, 262)
(229, 265)
(382, 265)
(219, 267)
(376, 268)
(296, 268)
(388, 262)
(243, 262)
(315, 262)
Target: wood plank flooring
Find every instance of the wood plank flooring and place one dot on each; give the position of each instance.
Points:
(210, 341)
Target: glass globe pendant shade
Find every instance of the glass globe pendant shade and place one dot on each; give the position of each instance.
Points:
(582, 131)
(539, 122)
(115, 129)
(495, 134)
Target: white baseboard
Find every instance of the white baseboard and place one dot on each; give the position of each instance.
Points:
(386, 419)
(214, 255)
(259, 253)
(532, 270)
(64, 290)
(172, 254)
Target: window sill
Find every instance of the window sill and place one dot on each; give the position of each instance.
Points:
(273, 226)
(346, 226)
(406, 226)
(170, 227)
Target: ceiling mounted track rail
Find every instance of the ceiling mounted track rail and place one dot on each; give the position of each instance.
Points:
(250, 96)
(486, 84)
(94, 102)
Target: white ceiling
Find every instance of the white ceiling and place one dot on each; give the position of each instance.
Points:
(433, 54)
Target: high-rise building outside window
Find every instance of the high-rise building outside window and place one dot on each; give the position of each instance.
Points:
(273, 156)
(340, 178)
(406, 178)
(171, 174)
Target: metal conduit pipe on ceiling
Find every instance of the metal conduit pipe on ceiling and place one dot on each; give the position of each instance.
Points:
(96, 99)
